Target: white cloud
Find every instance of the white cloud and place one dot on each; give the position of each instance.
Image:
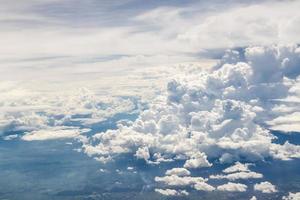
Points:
(286, 123)
(162, 35)
(203, 115)
(172, 192)
(292, 196)
(287, 151)
(53, 133)
(178, 172)
(237, 167)
(10, 137)
(26, 109)
(39, 104)
(143, 153)
(174, 180)
(238, 175)
(265, 187)
(203, 186)
(212, 115)
(197, 160)
(232, 187)
(259, 29)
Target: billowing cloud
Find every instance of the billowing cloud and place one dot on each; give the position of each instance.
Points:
(237, 167)
(174, 180)
(42, 105)
(201, 118)
(237, 171)
(142, 153)
(23, 109)
(292, 196)
(265, 187)
(212, 115)
(207, 115)
(197, 160)
(171, 192)
(289, 122)
(178, 172)
(238, 175)
(233, 187)
(203, 186)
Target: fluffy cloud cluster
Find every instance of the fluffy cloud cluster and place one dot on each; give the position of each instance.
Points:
(292, 196)
(237, 167)
(265, 187)
(180, 177)
(44, 115)
(212, 115)
(237, 171)
(174, 180)
(178, 172)
(233, 187)
(171, 192)
(238, 175)
(215, 115)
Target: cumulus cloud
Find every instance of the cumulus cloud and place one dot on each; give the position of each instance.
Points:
(24, 109)
(197, 160)
(174, 180)
(212, 115)
(178, 172)
(171, 192)
(237, 171)
(203, 117)
(143, 153)
(203, 186)
(182, 180)
(289, 122)
(232, 187)
(238, 167)
(238, 175)
(292, 196)
(265, 187)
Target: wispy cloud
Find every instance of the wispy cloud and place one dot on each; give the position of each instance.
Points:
(74, 31)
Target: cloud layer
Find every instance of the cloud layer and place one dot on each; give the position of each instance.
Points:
(214, 116)
(86, 36)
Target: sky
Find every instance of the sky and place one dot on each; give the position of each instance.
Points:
(64, 36)
(149, 99)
